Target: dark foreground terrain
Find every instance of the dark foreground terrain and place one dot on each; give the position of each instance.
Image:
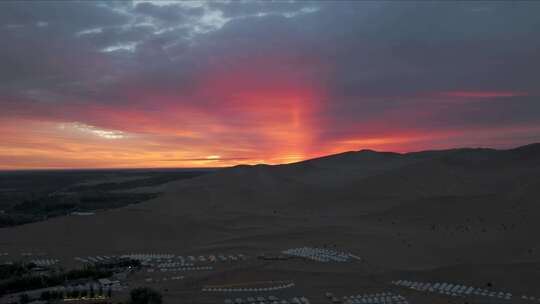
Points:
(455, 226)
(30, 196)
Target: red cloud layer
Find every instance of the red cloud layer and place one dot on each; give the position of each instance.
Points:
(259, 111)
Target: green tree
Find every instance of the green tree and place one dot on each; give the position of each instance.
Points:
(145, 295)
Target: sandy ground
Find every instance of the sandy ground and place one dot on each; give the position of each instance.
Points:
(467, 217)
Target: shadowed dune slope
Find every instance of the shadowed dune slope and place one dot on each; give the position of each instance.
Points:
(414, 210)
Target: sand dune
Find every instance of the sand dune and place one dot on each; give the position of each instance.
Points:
(415, 211)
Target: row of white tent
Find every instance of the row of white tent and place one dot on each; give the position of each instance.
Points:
(206, 258)
(166, 258)
(248, 289)
(320, 254)
(94, 259)
(452, 289)
(374, 298)
(173, 264)
(215, 258)
(530, 298)
(191, 260)
(45, 262)
(268, 300)
(187, 268)
(164, 279)
(148, 256)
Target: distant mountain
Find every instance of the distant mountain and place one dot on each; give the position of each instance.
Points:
(383, 177)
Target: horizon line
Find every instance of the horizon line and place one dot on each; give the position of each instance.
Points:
(254, 164)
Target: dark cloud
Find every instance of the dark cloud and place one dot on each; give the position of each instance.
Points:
(376, 67)
(170, 13)
(235, 9)
(65, 15)
(110, 36)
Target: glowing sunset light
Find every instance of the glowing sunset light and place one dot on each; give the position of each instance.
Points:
(213, 84)
(107, 134)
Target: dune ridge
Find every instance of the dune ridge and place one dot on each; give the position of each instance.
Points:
(400, 212)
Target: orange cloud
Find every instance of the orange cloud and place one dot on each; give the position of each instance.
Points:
(249, 113)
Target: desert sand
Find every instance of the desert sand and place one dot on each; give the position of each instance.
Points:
(468, 216)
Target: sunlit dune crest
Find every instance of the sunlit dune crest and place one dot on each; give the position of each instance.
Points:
(375, 141)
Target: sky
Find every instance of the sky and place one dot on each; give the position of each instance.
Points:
(134, 84)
